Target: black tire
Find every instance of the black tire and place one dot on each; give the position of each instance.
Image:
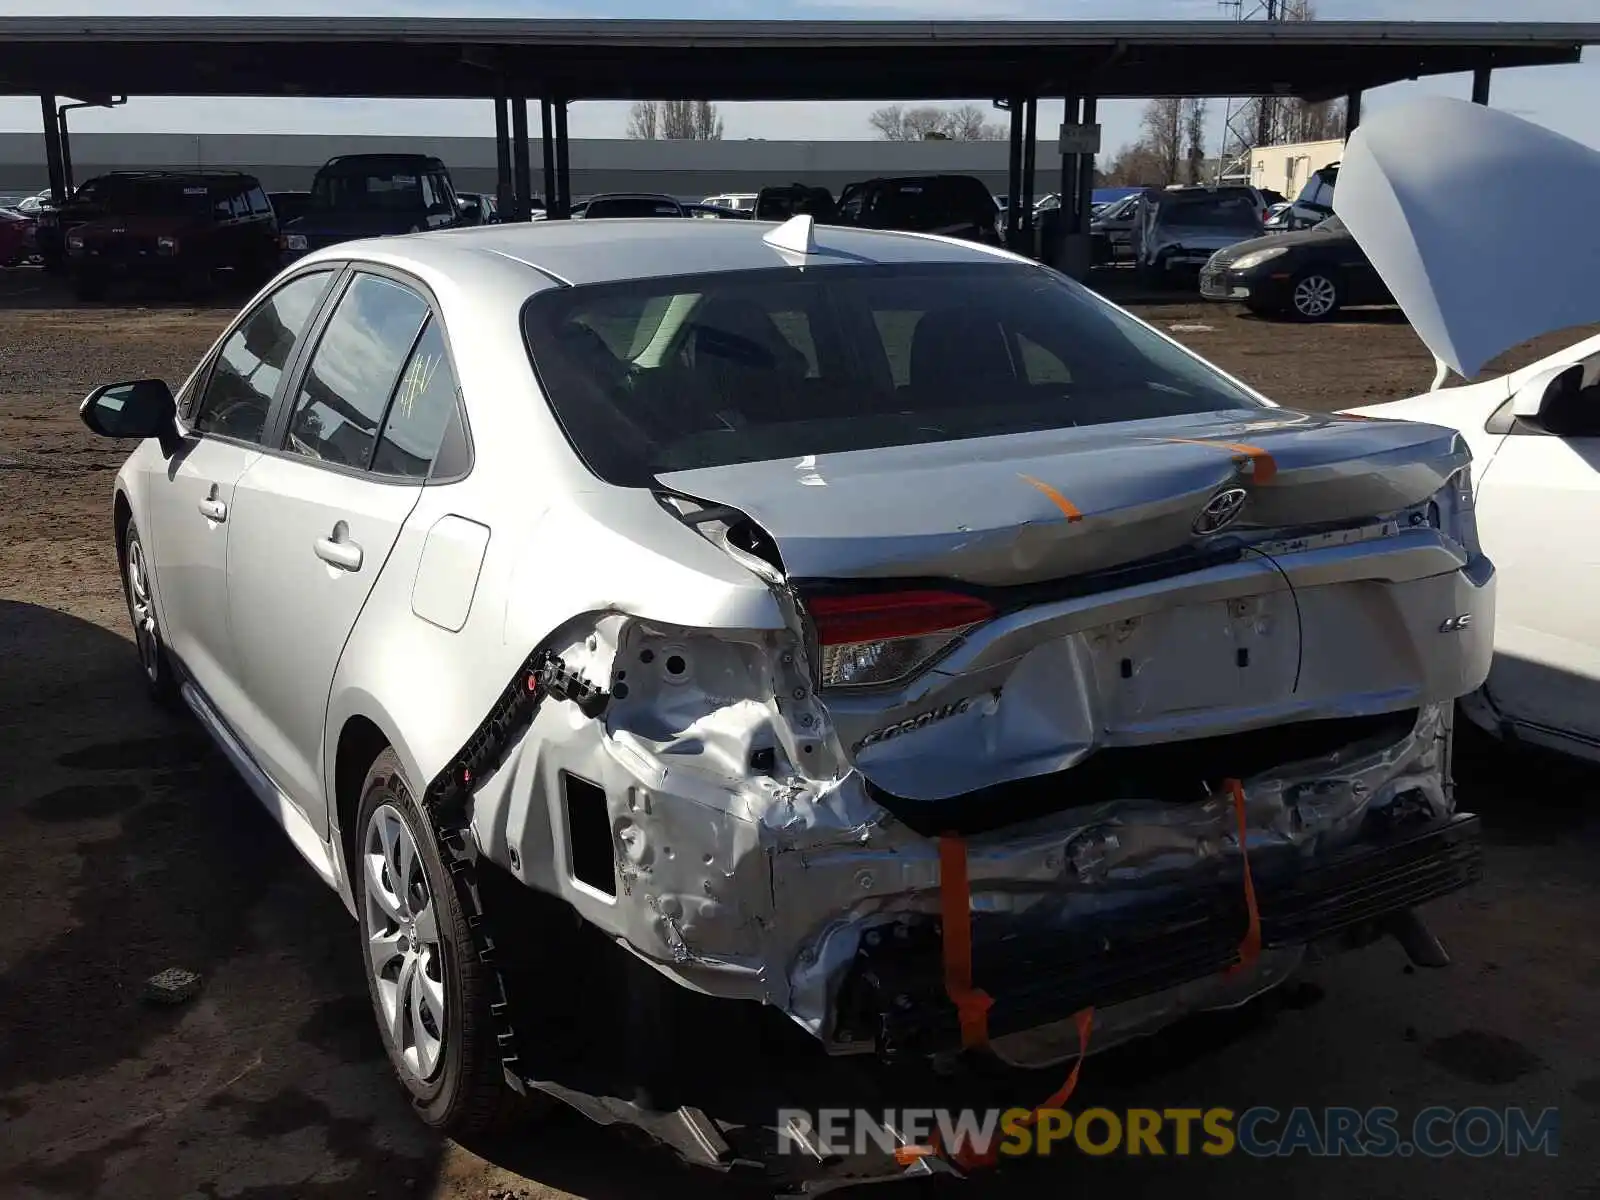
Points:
(466, 1093)
(1315, 295)
(154, 663)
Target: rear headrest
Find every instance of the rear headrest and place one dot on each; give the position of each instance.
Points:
(951, 344)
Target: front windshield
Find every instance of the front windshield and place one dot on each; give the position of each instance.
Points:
(659, 375)
(366, 191)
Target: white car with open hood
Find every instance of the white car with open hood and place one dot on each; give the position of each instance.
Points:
(1473, 291)
(870, 634)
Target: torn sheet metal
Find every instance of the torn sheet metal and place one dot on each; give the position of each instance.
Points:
(760, 886)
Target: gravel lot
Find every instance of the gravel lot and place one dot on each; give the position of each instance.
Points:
(126, 847)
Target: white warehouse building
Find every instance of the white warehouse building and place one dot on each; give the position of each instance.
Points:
(1286, 168)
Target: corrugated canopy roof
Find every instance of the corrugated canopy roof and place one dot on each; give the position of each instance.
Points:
(91, 57)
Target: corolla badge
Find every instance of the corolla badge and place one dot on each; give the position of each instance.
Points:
(1221, 510)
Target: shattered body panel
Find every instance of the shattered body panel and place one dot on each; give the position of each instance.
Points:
(763, 829)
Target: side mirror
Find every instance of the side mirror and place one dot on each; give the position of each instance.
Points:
(1531, 398)
(143, 408)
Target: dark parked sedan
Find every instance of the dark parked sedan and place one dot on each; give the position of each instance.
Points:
(1308, 275)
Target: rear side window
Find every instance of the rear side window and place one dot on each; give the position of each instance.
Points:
(354, 370)
(248, 369)
(661, 375)
(424, 401)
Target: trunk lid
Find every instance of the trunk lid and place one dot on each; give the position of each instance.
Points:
(1116, 619)
(1028, 508)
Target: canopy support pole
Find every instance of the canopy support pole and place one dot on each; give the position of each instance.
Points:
(519, 154)
(52, 149)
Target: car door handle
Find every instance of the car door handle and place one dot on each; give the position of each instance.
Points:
(213, 509)
(339, 552)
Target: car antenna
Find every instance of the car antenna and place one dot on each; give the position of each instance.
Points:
(797, 235)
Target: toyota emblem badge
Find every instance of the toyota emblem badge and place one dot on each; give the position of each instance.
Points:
(1221, 510)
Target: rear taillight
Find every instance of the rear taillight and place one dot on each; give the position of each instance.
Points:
(878, 639)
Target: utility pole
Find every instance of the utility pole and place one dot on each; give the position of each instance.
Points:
(1241, 132)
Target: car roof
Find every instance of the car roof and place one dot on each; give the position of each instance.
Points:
(342, 161)
(179, 176)
(578, 253)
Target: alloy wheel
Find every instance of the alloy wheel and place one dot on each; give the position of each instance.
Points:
(403, 950)
(143, 611)
(1315, 296)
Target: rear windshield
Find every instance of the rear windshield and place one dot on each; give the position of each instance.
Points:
(398, 189)
(1208, 212)
(659, 375)
(632, 206)
(153, 197)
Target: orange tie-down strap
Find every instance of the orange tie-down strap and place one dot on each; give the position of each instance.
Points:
(973, 1004)
(1263, 466)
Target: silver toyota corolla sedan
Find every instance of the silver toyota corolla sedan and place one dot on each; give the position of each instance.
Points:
(872, 628)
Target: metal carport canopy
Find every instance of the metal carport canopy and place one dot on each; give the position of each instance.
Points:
(750, 60)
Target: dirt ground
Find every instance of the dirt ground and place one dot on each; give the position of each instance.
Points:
(126, 846)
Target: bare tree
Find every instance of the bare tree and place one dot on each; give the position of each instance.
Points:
(1162, 126)
(679, 120)
(707, 122)
(970, 123)
(644, 121)
(1135, 165)
(965, 123)
(1194, 131)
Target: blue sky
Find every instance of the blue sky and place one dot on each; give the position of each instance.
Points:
(1565, 98)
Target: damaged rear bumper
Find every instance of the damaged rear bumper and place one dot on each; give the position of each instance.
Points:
(1038, 972)
(826, 909)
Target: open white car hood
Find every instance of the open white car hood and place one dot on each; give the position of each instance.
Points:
(1479, 223)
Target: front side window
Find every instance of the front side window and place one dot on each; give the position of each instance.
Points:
(652, 376)
(250, 365)
(353, 371)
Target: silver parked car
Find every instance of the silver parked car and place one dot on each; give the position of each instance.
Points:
(764, 595)
(1174, 232)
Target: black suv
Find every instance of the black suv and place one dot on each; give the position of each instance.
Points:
(791, 200)
(955, 205)
(373, 195)
(168, 227)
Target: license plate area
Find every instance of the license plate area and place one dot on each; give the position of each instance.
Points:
(1191, 658)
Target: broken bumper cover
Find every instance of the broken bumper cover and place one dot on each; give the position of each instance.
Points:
(1038, 973)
